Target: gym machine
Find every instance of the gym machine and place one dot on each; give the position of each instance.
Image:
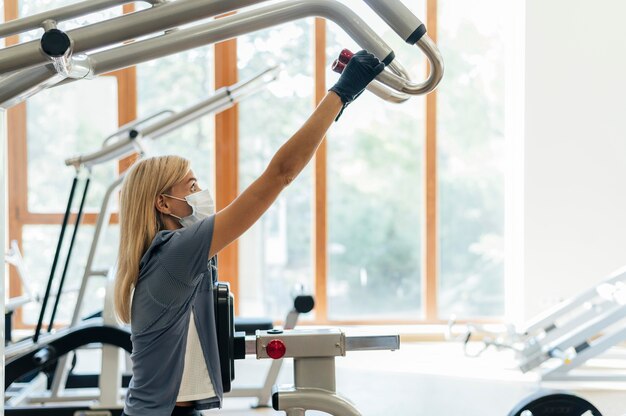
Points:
(558, 343)
(63, 56)
(53, 351)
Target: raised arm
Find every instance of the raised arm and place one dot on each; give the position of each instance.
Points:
(232, 221)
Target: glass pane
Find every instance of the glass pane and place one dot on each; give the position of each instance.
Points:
(275, 254)
(175, 83)
(471, 158)
(39, 245)
(375, 192)
(83, 114)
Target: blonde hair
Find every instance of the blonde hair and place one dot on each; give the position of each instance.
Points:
(140, 220)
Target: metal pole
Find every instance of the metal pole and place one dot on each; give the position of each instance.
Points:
(58, 15)
(66, 218)
(69, 254)
(119, 29)
(3, 201)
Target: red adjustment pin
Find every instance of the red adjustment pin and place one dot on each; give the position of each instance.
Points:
(275, 349)
(340, 63)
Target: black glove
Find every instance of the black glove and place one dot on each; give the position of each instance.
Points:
(360, 71)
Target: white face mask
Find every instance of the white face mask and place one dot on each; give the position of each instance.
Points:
(202, 206)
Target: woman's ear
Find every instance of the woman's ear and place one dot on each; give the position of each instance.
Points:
(161, 205)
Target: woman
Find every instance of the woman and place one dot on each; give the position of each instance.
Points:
(169, 237)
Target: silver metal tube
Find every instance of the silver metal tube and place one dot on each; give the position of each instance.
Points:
(397, 16)
(237, 25)
(132, 125)
(171, 123)
(229, 27)
(18, 86)
(112, 151)
(246, 22)
(220, 100)
(122, 28)
(62, 13)
(373, 342)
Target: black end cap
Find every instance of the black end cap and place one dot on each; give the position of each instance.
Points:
(239, 347)
(275, 400)
(389, 58)
(304, 303)
(133, 134)
(417, 35)
(55, 43)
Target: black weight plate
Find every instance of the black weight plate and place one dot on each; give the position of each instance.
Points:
(557, 404)
(225, 332)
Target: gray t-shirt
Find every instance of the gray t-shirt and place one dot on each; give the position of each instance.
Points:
(175, 276)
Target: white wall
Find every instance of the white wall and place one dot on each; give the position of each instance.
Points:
(574, 149)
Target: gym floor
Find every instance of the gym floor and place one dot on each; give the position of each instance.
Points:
(431, 378)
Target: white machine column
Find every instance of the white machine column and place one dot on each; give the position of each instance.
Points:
(313, 352)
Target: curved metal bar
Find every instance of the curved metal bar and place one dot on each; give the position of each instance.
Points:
(237, 25)
(246, 22)
(62, 13)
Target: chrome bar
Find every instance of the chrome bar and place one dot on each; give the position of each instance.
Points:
(373, 342)
(133, 125)
(71, 11)
(157, 18)
(237, 25)
(20, 85)
(221, 99)
(218, 101)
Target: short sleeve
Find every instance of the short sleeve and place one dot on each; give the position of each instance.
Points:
(186, 253)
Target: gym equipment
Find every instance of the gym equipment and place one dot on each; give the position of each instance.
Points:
(62, 56)
(550, 404)
(313, 352)
(301, 304)
(39, 353)
(560, 341)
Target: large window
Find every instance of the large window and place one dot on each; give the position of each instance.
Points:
(400, 217)
(375, 182)
(470, 145)
(275, 254)
(54, 125)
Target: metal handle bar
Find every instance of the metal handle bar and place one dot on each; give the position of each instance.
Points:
(223, 98)
(71, 11)
(214, 31)
(220, 100)
(134, 124)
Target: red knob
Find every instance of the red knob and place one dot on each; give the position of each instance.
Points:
(276, 349)
(340, 63)
(345, 56)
